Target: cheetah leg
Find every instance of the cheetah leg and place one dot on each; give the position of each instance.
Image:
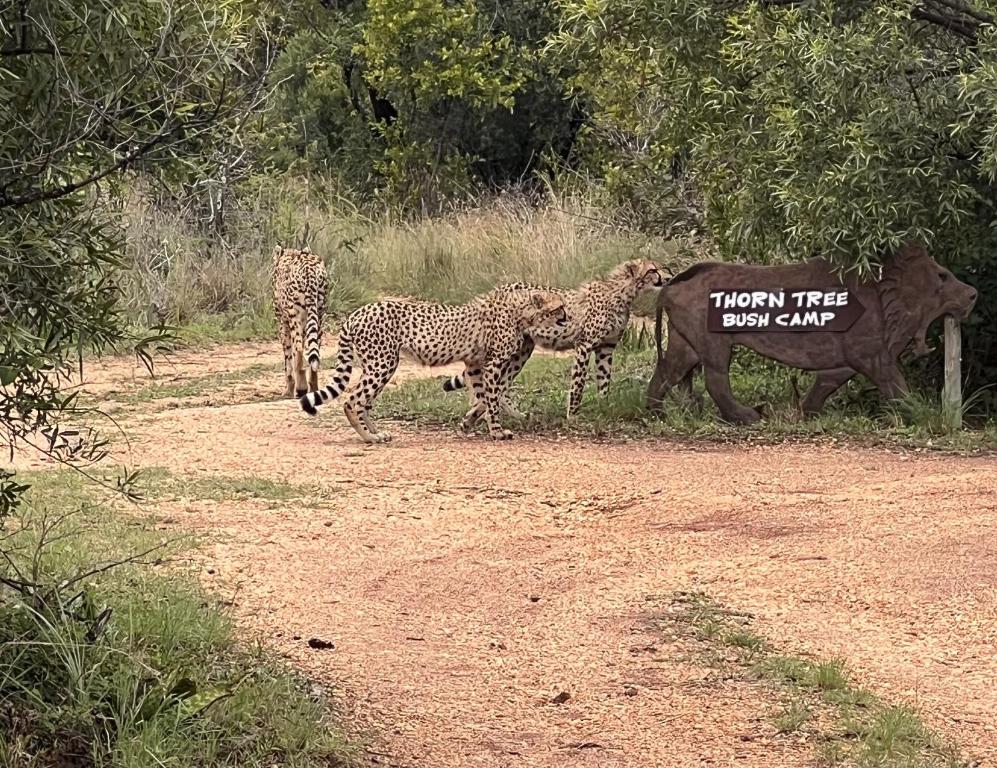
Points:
(579, 373)
(474, 380)
(508, 408)
(298, 356)
(514, 367)
(365, 420)
(473, 377)
(361, 397)
(604, 367)
(493, 379)
(285, 342)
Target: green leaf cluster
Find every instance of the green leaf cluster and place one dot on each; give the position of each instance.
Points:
(91, 91)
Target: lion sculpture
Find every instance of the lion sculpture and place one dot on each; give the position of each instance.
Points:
(912, 291)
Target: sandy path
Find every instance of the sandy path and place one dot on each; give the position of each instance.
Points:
(465, 583)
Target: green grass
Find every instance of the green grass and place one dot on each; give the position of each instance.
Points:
(196, 386)
(165, 682)
(161, 484)
(227, 327)
(792, 716)
(748, 642)
(846, 724)
(857, 414)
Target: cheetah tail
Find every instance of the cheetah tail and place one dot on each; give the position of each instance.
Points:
(313, 334)
(344, 367)
(454, 382)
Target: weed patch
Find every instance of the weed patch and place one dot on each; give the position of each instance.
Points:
(161, 484)
(847, 724)
(132, 664)
(193, 386)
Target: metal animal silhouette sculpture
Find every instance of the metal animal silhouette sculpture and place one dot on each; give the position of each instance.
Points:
(804, 316)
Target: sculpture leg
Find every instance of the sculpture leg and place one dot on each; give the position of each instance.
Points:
(889, 380)
(826, 384)
(685, 386)
(717, 370)
(676, 368)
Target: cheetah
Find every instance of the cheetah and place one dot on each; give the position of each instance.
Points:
(598, 312)
(484, 333)
(299, 290)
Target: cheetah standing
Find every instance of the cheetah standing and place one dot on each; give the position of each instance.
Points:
(299, 290)
(598, 312)
(485, 334)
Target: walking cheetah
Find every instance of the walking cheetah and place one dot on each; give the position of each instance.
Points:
(485, 334)
(598, 312)
(299, 289)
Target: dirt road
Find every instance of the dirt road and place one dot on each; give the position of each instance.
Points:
(467, 583)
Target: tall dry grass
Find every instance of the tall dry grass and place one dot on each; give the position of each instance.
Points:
(179, 274)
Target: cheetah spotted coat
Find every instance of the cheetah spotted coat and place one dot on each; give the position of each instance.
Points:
(300, 285)
(485, 334)
(598, 313)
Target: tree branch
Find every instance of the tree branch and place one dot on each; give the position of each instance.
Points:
(41, 195)
(963, 7)
(12, 52)
(97, 570)
(957, 16)
(964, 22)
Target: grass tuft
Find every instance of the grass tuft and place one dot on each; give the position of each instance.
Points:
(846, 724)
(747, 641)
(792, 717)
(830, 676)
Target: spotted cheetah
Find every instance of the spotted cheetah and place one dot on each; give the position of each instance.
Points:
(299, 289)
(598, 312)
(485, 334)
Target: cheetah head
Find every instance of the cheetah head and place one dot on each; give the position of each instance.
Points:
(646, 274)
(545, 310)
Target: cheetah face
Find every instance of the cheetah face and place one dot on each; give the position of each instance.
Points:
(548, 311)
(647, 274)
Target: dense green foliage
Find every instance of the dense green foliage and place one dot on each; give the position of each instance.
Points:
(422, 102)
(89, 91)
(811, 128)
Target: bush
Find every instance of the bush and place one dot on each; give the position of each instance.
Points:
(132, 665)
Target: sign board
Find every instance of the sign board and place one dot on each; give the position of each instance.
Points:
(792, 310)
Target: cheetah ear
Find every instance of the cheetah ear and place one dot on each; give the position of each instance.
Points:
(634, 268)
(538, 300)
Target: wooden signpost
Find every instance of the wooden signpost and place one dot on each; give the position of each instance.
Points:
(952, 390)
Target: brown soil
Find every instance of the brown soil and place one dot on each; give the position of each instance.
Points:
(466, 583)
